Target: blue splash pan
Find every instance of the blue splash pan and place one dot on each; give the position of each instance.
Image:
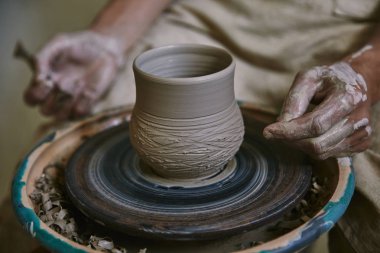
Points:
(61, 144)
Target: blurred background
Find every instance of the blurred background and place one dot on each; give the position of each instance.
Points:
(32, 22)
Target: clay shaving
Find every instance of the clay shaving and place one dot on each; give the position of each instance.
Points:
(54, 208)
(313, 201)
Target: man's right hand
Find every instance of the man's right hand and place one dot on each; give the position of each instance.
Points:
(72, 73)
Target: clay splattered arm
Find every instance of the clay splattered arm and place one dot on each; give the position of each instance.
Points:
(343, 92)
(74, 70)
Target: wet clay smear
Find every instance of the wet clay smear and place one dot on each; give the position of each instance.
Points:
(54, 208)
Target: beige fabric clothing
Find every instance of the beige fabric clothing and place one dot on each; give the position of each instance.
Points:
(271, 41)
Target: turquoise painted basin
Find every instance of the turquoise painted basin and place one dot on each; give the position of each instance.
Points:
(59, 145)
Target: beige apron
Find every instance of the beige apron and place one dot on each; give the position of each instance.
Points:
(271, 41)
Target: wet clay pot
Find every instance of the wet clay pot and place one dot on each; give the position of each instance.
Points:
(186, 123)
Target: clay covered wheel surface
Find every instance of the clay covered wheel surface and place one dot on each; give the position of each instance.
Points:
(108, 182)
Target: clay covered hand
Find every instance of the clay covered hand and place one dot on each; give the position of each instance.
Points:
(72, 72)
(338, 125)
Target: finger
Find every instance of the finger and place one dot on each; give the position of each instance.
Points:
(319, 145)
(60, 100)
(55, 102)
(47, 108)
(335, 107)
(96, 84)
(357, 142)
(360, 147)
(68, 97)
(82, 107)
(47, 55)
(65, 111)
(69, 86)
(70, 81)
(99, 77)
(36, 93)
(358, 136)
(341, 136)
(300, 94)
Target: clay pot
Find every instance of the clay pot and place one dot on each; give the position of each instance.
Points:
(186, 123)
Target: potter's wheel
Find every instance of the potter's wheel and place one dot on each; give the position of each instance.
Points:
(107, 181)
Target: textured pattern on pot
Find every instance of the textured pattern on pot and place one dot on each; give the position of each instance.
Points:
(186, 123)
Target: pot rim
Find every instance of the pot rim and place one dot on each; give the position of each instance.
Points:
(289, 242)
(184, 80)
